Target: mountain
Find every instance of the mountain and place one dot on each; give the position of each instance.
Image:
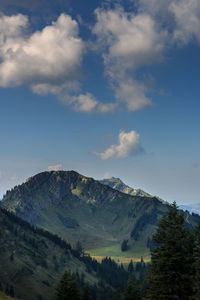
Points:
(192, 208)
(79, 208)
(32, 260)
(117, 184)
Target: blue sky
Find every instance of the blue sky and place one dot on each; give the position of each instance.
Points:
(104, 88)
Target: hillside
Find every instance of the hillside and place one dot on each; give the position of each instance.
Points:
(5, 297)
(32, 260)
(117, 184)
(82, 209)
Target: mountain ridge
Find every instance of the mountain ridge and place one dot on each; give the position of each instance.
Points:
(79, 208)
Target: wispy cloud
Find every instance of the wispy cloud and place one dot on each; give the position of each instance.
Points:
(55, 168)
(181, 18)
(129, 144)
(88, 103)
(128, 42)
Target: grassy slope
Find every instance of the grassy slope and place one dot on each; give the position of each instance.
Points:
(33, 271)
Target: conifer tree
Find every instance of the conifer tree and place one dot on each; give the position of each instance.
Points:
(67, 288)
(117, 294)
(131, 267)
(137, 290)
(128, 294)
(171, 269)
(86, 293)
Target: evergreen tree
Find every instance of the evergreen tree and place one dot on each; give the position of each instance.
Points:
(11, 292)
(171, 269)
(137, 290)
(67, 288)
(86, 293)
(128, 294)
(117, 295)
(131, 267)
(79, 247)
(124, 245)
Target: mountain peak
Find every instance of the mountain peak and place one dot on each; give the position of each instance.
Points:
(118, 184)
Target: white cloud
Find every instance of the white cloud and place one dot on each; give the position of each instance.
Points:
(181, 17)
(48, 61)
(129, 42)
(129, 143)
(187, 18)
(55, 168)
(47, 58)
(88, 103)
(133, 94)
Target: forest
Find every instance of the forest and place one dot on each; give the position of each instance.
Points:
(174, 271)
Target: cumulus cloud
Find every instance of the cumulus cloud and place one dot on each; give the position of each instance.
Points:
(48, 61)
(47, 58)
(55, 168)
(129, 42)
(129, 143)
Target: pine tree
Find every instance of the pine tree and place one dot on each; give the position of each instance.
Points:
(128, 294)
(86, 293)
(171, 269)
(137, 290)
(117, 294)
(131, 267)
(67, 288)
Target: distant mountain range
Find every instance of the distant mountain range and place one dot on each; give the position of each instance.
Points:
(79, 208)
(192, 208)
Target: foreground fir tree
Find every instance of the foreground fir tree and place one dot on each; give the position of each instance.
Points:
(171, 270)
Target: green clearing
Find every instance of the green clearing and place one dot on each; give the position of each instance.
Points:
(115, 253)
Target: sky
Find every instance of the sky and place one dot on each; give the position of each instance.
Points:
(105, 88)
